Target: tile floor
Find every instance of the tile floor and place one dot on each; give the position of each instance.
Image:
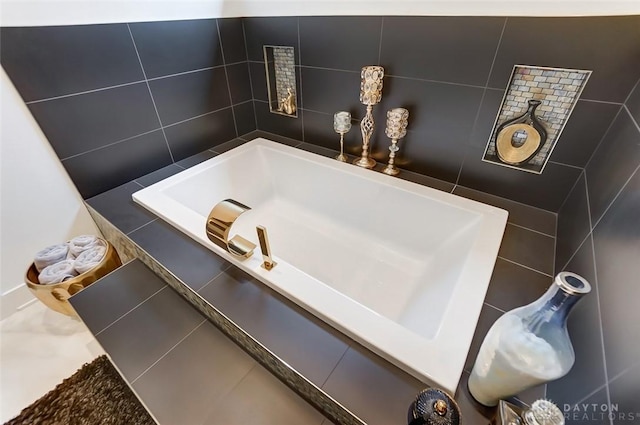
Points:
(38, 349)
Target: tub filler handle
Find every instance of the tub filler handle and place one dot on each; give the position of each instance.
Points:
(218, 227)
(267, 258)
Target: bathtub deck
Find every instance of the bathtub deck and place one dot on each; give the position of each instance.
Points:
(369, 386)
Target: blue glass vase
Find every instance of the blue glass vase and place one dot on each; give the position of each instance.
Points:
(529, 345)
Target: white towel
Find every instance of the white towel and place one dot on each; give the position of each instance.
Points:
(81, 243)
(57, 273)
(50, 255)
(90, 258)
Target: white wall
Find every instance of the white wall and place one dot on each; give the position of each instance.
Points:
(40, 205)
(67, 12)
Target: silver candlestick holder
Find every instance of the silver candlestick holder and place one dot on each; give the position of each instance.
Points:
(342, 125)
(370, 94)
(397, 120)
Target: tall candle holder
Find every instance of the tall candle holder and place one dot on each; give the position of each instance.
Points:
(397, 120)
(370, 94)
(342, 125)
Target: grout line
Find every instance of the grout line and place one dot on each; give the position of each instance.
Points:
(532, 230)
(526, 267)
(604, 136)
(506, 199)
(226, 76)
(601, 101)
(184, 168)
(565, 165)
(170, 350)
(624, 372)
(576, 251)
(632, 91)
(555, 248)
(140, 227)
(495, 55)
(150, 93)
(198, 116)
(615, 197)
(130, 310)
(633, 120)
(299, 72)
(31, 102)
(215, 277)
(494, 307)
(590, 394)
(380, 43)
(327, 69)
(424, 80)
(178, 74)
(467, 145)
(253, 96)
(111, 144)
(139, 184)
(571, 190)
(346, 350)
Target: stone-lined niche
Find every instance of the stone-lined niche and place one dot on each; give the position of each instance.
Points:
(517, 141)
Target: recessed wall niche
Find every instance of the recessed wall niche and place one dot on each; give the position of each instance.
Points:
(534, 111)
(281, 80)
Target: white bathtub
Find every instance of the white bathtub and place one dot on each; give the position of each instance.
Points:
(401, 268)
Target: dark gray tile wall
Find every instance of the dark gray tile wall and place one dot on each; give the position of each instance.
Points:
(118, 101)
(452, 83)
(599, 238)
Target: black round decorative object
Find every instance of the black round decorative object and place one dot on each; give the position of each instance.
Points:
(526, 128)
(434, 407)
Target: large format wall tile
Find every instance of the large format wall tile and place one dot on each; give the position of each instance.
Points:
(170, 47)
(573, 223)
(232, 38)
(44, 62)
(276, 31)
(633, 103)
(453, 49)
(614, 161)
(607, 45)
(77, 124)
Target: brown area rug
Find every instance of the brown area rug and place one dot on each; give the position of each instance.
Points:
(95, 394)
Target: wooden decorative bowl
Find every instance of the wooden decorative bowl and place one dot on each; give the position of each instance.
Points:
(55, 295)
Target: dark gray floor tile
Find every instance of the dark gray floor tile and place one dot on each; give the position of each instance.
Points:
(271, 31)
(158, 175)
(585, 128)
(488, 316)
(633, 103)
(318, 130)
(602, 44)
(191, 262)
(108, 299)
(422, 47)
(546, 191)
(329, 153)
(44, 62)
(612, 164)
(245, 117)
(198, 372)
(528, 248)
(520, 214)
(304, 342)
(77, 124)
(573, 223)
(330, 91)
(169, 47)
(118, 207)
(226, 146)
(331, 42)
(276, 123)
(258, 75)
(262, 398)
(584, 327)
(624, 393)
(273, 137)
(371, 388)
(239, 84)
(103, 169)
(514, 286)
(232, 38)
(147, 333)
(587, 412)
(425, 180)
(193, 136)
(196, 159)
(188, 95)
(472, 412)
(617, 252)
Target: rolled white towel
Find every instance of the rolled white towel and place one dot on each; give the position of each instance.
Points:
(90, 258)
(81, 243)
(50, 255)
(57, 273)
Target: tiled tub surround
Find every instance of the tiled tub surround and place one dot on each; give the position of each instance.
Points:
(452, 82)
(371, 388)
(599, 237)
(118, 101)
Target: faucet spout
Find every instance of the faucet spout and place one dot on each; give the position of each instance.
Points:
(218, 227)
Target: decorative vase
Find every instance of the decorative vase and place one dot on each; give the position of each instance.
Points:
(529, 345)
(519, 139)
